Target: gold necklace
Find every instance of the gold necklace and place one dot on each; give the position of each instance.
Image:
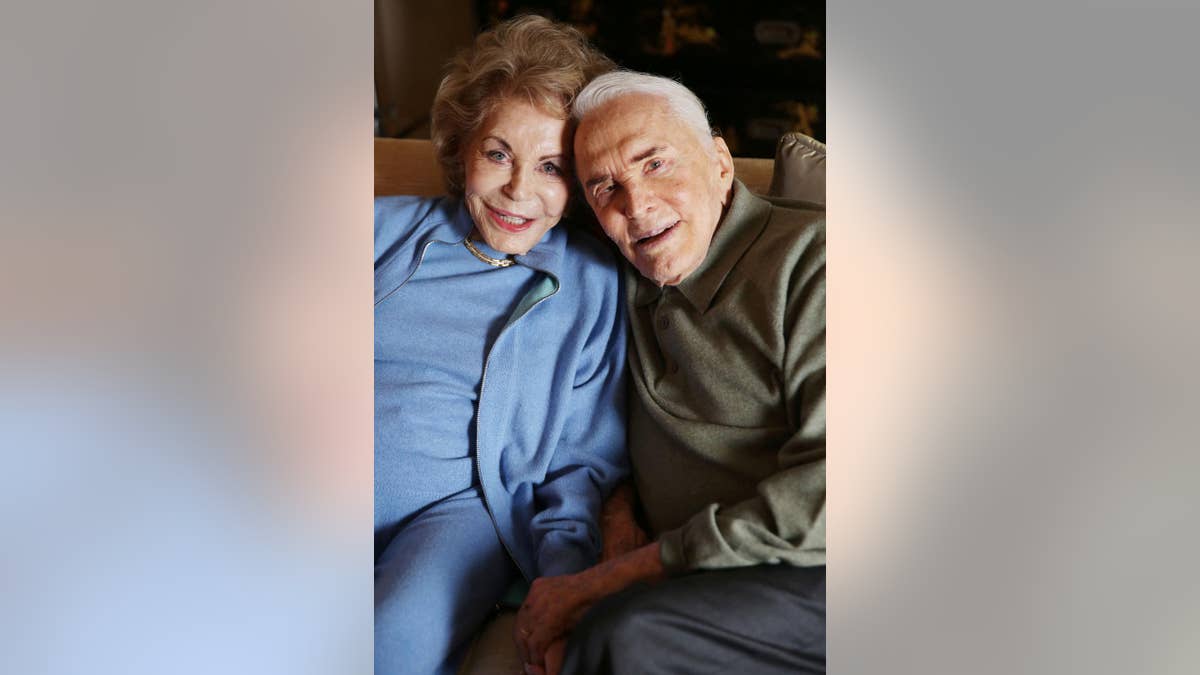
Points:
(494, 262)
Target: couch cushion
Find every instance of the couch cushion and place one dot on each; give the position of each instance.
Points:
(799, 169)
(493, 652)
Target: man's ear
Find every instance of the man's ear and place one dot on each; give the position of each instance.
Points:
(724, 158)
(724, 176)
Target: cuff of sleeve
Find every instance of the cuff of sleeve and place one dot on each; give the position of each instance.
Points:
(565, 560)
(671, 553)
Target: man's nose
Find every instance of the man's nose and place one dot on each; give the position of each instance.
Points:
(638, 202)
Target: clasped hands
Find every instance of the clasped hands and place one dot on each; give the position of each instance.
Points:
(555, 604)
(551, 609)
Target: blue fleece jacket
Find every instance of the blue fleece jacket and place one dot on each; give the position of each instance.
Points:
(550, 418)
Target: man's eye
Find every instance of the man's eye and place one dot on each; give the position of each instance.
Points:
(654, 164)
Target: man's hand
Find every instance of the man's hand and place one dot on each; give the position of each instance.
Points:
(555, 604)
(619, 530)
(620, 536)
(554, 658)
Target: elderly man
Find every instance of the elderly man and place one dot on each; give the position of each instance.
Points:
(727, 421)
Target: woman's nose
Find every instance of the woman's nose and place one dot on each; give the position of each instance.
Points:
(518, 185)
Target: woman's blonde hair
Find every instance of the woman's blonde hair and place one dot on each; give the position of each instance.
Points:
(528, 57)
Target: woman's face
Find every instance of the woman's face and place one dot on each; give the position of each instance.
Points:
(517, 176)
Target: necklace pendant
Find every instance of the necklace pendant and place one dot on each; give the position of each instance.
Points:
(494, 262)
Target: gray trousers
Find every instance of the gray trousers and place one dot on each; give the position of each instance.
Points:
(751, 620)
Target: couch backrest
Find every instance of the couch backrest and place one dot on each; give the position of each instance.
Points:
(407, 167)
(799, 169)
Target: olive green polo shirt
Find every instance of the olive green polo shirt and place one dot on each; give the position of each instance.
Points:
(727, 420)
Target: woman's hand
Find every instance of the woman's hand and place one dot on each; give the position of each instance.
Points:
(551, 609)
(555, 604)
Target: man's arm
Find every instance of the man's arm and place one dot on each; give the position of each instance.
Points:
(785, 520)
(619, 529)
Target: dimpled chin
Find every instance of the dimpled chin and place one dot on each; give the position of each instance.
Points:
(667, 269)
(658, 271)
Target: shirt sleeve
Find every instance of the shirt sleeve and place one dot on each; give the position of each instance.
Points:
(591, 456)
(784, 522)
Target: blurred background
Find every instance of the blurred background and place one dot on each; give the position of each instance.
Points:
(759, 67)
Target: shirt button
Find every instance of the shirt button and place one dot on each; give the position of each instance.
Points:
(663, 322)
(674, 368)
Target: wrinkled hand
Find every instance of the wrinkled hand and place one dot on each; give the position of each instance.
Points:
(620, 534)
(554, 658)
(552, 608)
(555, 604)
(554, 655)
(619, 530)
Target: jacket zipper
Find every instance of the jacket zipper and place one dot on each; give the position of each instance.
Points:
(420, 260)
(482, 381)
(478, 472)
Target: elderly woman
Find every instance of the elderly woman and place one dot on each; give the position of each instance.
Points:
(499, 355)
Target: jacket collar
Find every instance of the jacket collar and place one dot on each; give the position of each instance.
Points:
(739, 227)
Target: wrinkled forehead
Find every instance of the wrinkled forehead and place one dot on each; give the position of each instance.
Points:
(627, 121)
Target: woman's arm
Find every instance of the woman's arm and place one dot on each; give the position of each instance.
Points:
(591, 457)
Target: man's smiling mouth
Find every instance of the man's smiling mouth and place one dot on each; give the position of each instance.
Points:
(655, 235)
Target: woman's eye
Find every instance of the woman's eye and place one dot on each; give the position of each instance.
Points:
(654, 164)
(496, 155)
(552, 169)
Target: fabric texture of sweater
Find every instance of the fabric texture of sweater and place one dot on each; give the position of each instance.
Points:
(452, 298)
(727, 421)
(550, 412)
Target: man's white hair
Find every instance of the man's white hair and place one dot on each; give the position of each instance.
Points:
(620, 83)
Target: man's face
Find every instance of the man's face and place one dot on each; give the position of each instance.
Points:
(657, 191)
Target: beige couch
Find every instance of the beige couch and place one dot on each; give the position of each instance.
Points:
(407, 167)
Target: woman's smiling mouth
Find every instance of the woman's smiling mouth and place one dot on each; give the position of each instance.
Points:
(510, 222)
